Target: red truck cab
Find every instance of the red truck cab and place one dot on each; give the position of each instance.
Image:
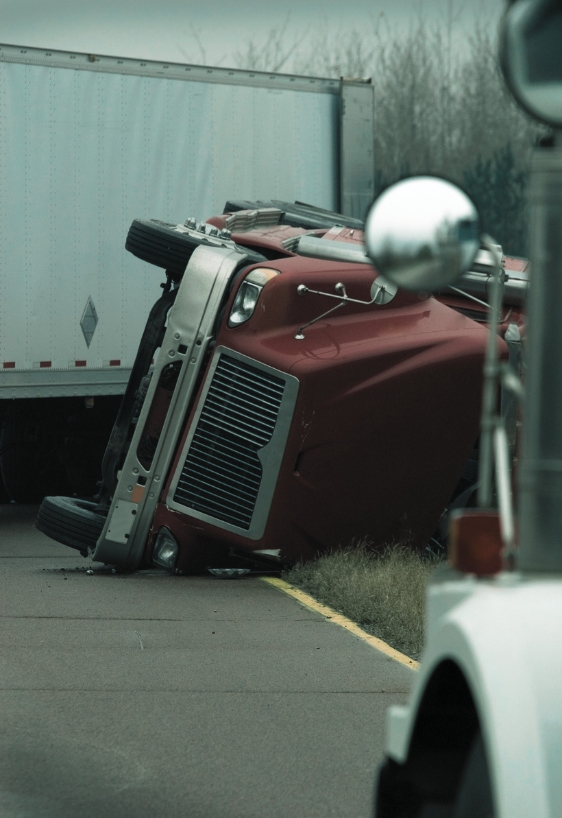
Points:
(291, 410)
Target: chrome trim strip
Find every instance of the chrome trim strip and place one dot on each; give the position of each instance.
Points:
(190, 324)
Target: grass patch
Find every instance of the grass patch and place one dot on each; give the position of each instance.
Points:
(383, 592)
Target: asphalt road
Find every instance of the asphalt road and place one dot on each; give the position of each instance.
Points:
(152, 695)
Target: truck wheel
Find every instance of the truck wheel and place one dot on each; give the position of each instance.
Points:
(71, 521)
(158, 243)
(474, 797)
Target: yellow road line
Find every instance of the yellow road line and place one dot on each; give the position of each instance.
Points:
(339, 619)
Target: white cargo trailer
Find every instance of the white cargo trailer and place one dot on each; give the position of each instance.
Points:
(87, 144)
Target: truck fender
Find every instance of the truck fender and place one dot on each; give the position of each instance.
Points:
(502, 681)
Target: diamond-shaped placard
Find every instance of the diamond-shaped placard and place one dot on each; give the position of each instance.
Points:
(89, 320)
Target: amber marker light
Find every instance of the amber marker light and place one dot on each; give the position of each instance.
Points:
(475, 542)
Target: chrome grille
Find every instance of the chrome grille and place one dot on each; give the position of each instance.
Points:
(222, 473)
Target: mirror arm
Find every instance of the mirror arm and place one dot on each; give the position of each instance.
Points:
(494, 445)
(299, 333)
(512, 382)
(467, 295)
(505, 497)
(302, 289)
(489, 419)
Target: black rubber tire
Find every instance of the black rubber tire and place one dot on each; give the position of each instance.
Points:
(71, 521)
(160, 244)
(474, 798)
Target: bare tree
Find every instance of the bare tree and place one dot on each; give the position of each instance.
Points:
(348, 55)
(441, 105)
(195, 35)
(271, 54)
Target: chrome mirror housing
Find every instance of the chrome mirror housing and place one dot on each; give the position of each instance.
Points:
(422, 233)
(530, 47)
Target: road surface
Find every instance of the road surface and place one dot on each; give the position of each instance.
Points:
(127, 696)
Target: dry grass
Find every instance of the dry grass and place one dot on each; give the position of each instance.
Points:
(384, 593)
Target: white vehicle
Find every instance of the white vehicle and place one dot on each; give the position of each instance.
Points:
(87, 144)
(482, 734)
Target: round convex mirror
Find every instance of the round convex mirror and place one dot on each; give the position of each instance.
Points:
(422, 233)
(531, 57)
(383, 291)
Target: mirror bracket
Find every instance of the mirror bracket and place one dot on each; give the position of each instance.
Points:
(382, 294)
(469, 296)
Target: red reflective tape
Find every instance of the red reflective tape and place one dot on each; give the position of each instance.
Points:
(9, 364)
(44, 364)
(116, 362)
(79, 363)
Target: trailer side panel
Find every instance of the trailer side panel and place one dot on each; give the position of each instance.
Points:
(82, 153)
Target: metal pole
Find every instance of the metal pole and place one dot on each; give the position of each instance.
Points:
(540, 483)
(503, 483)
(490, 387)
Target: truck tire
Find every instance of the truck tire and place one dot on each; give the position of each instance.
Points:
(474, 798)
(159, 243)
(71, 521)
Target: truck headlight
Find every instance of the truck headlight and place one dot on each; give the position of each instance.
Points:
(247, 296)
(165, 552)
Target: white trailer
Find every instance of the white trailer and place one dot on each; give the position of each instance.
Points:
(87, 144)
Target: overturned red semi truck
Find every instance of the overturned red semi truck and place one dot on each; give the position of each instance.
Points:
(286, 400)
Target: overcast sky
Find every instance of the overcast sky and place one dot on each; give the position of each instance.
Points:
(175, 30)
